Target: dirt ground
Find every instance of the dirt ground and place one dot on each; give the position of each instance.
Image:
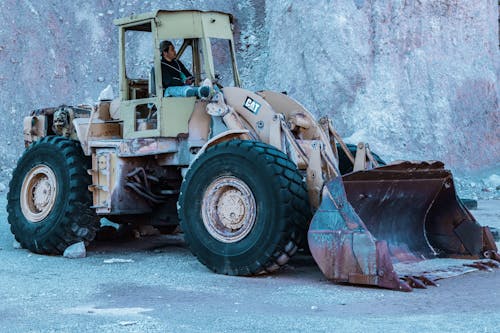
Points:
(155, 285)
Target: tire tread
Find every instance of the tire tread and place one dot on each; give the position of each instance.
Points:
(293, 200)
(79, 221)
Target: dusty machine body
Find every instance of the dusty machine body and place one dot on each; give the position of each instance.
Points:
(246, 174)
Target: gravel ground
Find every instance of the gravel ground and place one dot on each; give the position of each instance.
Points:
(160, 287)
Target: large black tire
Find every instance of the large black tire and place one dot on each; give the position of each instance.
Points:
(224, 186)
(345, 165)
(49, 201)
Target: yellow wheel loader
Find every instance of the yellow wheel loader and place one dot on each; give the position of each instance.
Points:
(250, 177)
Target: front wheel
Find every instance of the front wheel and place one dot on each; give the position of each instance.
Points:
(243, 208)
(48, 201)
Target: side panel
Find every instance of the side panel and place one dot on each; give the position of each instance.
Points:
(141, 117)
(109, 173)
(174, 115)
(253, 109)
(133, 112)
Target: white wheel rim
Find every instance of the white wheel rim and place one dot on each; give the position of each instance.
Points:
(38, 193)
(228, 209)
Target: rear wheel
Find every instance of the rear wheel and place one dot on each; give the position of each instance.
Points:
(48, 200)
(243, 208)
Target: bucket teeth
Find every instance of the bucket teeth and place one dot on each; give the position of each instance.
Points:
(415, 283)
(483, 266)
(428, 281)
(492, 263)
(404, 286)
(420, 282)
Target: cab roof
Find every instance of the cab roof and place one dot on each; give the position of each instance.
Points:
(161, 12)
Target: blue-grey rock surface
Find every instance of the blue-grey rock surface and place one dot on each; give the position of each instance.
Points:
(417, 79)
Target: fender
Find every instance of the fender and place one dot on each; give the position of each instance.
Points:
(222, 137)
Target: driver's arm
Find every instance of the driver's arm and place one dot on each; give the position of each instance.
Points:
(184, 69)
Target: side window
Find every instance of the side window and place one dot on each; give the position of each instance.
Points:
(138, 59)
(184, 53)
(221, 52)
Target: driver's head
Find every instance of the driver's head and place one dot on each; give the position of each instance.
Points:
(167, 50)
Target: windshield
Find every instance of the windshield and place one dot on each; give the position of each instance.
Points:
(223, 67)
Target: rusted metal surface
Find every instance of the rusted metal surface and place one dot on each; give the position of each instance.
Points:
(229, 209)
(489, 245)
(401, 213)
(148, 146)
(344, 249)
(492, 255)
(414, 207)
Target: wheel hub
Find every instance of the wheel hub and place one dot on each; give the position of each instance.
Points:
(231, 209)
(38, 193)
(41, 194)
(228, 209)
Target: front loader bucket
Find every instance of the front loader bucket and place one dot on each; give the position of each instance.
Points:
(406, 212)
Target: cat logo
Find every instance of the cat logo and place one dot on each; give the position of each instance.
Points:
(251, 105)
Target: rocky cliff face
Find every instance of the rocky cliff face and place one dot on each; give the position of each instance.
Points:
(418, 79)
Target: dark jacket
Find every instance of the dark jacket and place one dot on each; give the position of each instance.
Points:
(171, 73)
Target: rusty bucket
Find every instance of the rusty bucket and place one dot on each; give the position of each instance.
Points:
(406, 212)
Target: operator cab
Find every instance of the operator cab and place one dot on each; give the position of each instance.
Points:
(205, 46)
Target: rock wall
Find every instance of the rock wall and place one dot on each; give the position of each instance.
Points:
(418, 79)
